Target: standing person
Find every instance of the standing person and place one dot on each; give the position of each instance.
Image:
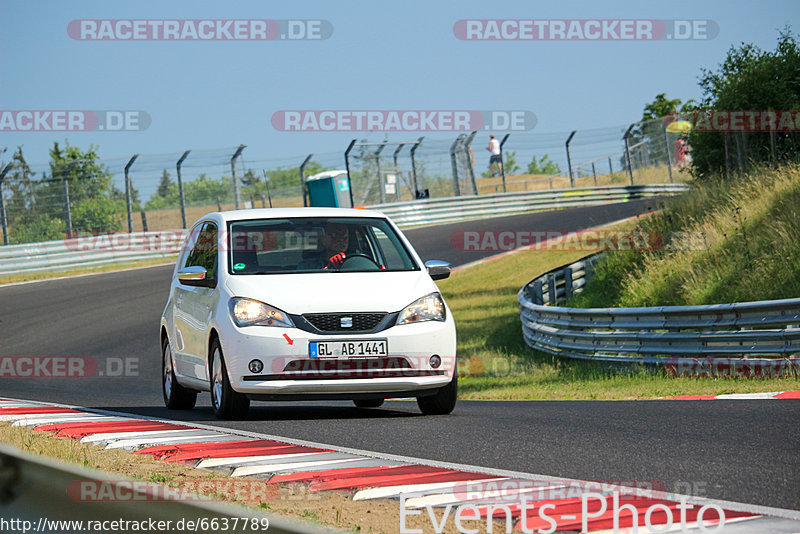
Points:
(495, 160)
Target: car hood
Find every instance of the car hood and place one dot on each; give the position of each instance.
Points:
(334, 292)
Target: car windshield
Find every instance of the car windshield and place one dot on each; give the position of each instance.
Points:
(315, 245)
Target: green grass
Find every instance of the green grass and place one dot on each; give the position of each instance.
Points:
(495, 363)
(726, 241)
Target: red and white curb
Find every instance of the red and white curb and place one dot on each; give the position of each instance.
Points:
(419, 484)
(741, 396)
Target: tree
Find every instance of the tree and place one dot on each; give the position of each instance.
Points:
(660, 107)
(749, 79)
(166, 187)
(96, 204)
(204, 190)
(651, 127)
(38, 210)
(543, 166)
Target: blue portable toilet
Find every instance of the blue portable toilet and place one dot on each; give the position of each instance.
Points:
(330, 189)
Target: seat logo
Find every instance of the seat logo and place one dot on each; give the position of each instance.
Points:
(346, 322)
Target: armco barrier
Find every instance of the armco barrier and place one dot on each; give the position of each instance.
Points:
(35, 493)
(442, 210)
(654, 335)
(95, 251)
(90, 251)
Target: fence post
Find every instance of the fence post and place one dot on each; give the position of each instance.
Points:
(397, 172)
(381, 188)
(237, 196)
(537, 297)
(414, 165)
(180, 189)
(303, 180)
(594, 173)
(3, 220)
(503, 167)
(727, 154)
(551, 289)
(128, 192)
(588, 266)
(347, 168)
(628, 151)
(144, 220)
(739, 159)
(744, 150)
(610, 169)
(569, 158)
(468, 155)
(773, 158)
(65, 186)
(454, 165)
(567, 282)
(666, 148)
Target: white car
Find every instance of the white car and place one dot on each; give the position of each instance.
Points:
(305, 304)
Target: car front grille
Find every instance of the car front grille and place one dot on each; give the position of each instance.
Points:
(345, 369)
(332, 322)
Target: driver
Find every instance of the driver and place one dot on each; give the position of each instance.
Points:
(335, 241)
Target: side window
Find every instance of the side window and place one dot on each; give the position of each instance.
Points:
(204, 251)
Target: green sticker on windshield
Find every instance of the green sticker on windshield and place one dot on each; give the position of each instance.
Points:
(238, 266)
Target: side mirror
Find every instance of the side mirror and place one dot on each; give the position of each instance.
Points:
(195, 276)
(438, 269)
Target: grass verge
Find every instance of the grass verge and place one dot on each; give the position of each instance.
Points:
(330, 509)
(495, 363)
(732, 240)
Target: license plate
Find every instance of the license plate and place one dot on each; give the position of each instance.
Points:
(348, 348)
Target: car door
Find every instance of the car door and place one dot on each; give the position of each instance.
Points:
(194, 305)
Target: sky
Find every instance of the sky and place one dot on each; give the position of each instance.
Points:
(402, 55)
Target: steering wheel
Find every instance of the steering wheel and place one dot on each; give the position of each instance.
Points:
(358, 262)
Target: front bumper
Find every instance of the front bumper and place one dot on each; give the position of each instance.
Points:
(289, 370)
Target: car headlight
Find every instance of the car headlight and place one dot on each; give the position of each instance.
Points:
(428, 308)
(248, 312)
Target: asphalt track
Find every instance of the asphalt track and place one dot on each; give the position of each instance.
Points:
(735, 450)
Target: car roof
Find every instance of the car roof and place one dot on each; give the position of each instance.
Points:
(281, 213)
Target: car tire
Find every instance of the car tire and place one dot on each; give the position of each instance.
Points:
(443, 402)
(226, 403)
(176, 397)
(368, 403)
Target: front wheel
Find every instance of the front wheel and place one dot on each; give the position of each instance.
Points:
(226, 403)
(443, 402)
(176, 397)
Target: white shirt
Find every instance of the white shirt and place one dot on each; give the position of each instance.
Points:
(494, 147)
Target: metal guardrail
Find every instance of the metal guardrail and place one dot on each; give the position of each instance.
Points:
(92, 251)
(450, 209)
(653, 335)
(44, 495)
